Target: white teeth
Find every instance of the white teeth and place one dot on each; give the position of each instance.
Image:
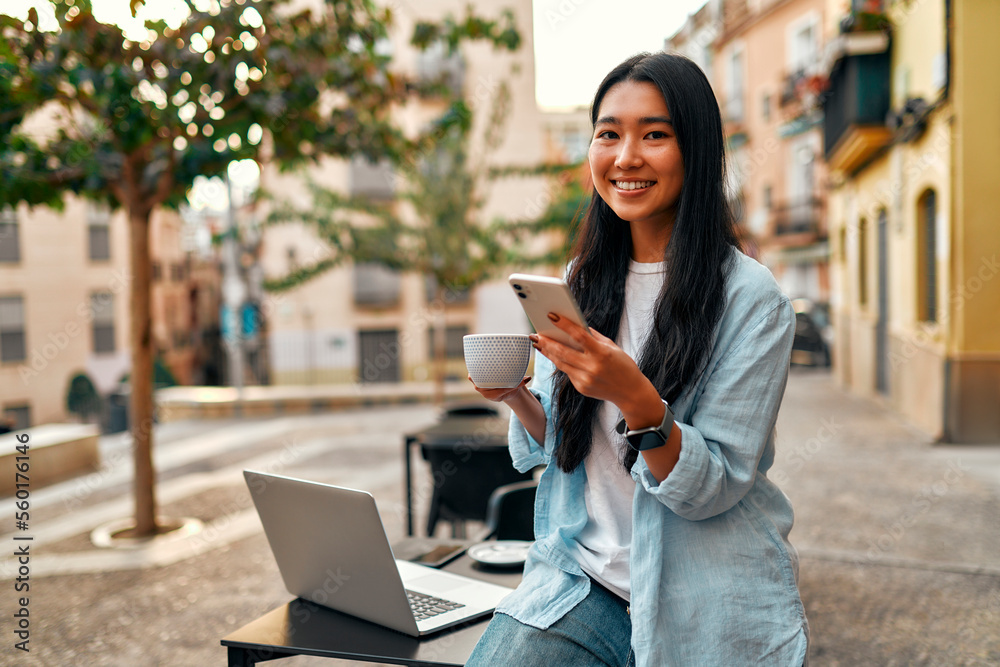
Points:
(632, 185)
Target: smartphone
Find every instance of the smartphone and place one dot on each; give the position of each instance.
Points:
(430, 552)
(541, 295)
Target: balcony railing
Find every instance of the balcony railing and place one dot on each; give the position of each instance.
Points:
(803, 86)
(801, 216)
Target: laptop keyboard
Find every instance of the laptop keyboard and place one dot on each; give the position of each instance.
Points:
(426, 606)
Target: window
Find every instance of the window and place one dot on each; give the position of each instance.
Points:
(435, 64)
(102, 304)
(452, 294)
(99, 242)
(927, 256)
(803, 47)
(375, 180)
(453, 346)
(862, 262)
(10, 241)
(734, 104)
(576, 142)
(375, 285)
(156, 271)
(98, 233)
(765, 106)
(19, 416)
(768, 197)
(801, 169)
(12, 347)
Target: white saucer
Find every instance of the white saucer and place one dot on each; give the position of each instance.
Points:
(500, 552)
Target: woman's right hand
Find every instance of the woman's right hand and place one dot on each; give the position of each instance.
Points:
(503, 394)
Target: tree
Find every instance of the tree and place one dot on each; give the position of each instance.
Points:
(434, 225)
(136, 118)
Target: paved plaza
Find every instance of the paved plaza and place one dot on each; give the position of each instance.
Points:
(899, 538)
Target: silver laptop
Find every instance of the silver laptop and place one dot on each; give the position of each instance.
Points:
(331, 549)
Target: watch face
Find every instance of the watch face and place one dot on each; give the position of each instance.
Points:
(648, 440)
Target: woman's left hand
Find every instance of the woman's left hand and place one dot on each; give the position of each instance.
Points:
(600, 369)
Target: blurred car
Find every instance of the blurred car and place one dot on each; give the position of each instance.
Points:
(813, 334)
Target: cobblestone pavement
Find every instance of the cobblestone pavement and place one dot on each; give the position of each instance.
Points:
(899, 539)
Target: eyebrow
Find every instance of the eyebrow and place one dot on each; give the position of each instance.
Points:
(645, 120)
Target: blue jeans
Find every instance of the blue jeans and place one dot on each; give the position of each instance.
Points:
(598, 631)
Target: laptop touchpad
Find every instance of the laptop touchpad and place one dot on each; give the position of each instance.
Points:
(437, 584)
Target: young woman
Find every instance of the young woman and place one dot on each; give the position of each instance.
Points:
(660, 540)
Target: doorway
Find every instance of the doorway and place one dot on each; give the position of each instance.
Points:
(379, 358)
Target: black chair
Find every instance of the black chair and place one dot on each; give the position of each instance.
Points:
(470, 409)
(463, 481)
(510, 513)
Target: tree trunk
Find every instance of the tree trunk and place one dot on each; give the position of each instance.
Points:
(141, 341)
(440, 339)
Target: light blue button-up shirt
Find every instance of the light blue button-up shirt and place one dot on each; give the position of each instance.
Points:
(713, 576)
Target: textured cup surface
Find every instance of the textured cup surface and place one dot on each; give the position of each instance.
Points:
(496, 360)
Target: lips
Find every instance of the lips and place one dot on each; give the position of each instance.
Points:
(632, 185)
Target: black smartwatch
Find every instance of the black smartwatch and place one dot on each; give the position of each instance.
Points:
(652, 437)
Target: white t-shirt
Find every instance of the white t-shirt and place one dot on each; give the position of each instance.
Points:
(603, 545)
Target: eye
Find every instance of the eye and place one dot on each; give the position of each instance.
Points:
(658, 134)
(607, 134)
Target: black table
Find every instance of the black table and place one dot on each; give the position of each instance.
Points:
(304, 628)
(454, 433)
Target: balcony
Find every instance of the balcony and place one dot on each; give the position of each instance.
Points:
(798, 217)
(857, 100)
(803, 88)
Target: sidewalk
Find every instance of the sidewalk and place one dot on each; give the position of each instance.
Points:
(899, 539)
(186, 403)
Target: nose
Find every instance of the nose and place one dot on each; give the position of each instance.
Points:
(629, 155)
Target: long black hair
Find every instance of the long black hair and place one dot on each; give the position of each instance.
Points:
(697, 257)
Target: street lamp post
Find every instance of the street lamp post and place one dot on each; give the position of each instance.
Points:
(233, 295)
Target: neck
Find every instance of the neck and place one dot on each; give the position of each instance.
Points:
(649, 240)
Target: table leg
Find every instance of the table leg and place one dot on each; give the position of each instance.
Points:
(239, 657)
(246, 657)
(407, 446)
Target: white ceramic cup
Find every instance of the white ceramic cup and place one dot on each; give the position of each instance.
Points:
(496, 361)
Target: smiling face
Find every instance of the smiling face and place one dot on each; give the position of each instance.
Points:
(634, 157)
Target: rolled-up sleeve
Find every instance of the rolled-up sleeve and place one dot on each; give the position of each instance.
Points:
(731, 423)
(525, 451)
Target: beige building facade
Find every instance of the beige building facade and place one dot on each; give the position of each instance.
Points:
(360, 323)
(64, 295)
(63, 307)
(911, 140)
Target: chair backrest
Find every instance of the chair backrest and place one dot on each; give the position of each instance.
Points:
(470, 409)
(464, 479)
(510, 512)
